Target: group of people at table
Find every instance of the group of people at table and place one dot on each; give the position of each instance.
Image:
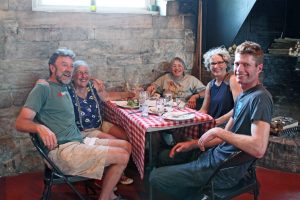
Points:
(65, 111)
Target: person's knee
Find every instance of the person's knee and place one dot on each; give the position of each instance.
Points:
(118, 155)
(152, 177)
(124, 158)
(127, 146)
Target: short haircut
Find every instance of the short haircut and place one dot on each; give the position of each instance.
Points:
(61, 52)
(221, 51)
(253, 49)
(178, 59)
(79, 63)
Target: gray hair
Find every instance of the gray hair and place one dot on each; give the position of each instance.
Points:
(61, 52)
(79, 63)
(179, 60)
(221, 51)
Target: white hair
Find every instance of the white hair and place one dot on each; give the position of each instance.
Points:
(79, 63)
(221, 51)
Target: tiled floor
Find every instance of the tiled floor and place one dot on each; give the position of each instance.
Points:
(275, 185)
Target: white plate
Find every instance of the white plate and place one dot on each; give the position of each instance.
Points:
(123, 104)
(177, 116)
(151, 103)
(153, 110)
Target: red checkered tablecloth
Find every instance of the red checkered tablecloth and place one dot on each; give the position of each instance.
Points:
(137, 126)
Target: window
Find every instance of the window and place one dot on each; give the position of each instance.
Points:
(118, 6)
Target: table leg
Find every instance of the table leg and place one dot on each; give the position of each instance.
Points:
(150, 164)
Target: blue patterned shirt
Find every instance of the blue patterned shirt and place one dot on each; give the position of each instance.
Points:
(87, 111)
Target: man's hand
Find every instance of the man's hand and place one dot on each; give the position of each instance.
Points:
(207, 137)
(47, 136)
(98, 84)
(183, 147)
(42, 81)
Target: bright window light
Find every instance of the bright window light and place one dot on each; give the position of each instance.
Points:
(102, 6)
(99, 3)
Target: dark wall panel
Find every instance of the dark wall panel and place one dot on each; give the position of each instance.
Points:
(223, 19)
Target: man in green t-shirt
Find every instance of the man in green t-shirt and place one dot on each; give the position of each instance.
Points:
(48, 112)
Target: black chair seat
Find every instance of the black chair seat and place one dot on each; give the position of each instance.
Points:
(248, 184)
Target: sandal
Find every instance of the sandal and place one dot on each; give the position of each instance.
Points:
(125, 180)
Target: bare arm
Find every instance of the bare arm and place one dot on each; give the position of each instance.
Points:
(206, 101)
(151, 89)
(25, 123)
(108, 96)
(119, 95)
(236, 90)
(192, 102)
(255, 144)
(183, 147)
(224, 118)
(234, 87)
(229, 124)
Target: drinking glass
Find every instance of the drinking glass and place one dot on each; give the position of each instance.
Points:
(180, 104)
(160, 107)
(144, 107)
(168, 101)
(143, 97)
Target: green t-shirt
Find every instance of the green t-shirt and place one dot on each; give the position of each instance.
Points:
(54, 109)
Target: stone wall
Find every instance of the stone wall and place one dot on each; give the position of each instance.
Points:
(282, 154)
(281, 76)
(119, 48)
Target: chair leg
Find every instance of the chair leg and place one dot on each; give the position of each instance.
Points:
(74, 189)
(255, 193)
(47, 188)
(89, 187)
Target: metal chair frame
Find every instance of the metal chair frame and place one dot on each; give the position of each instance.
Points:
(248, 184)
(53, 175)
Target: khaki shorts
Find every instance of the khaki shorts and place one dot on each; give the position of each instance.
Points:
(75, 158)
(93, 132)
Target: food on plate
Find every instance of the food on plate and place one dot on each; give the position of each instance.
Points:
(132, 103)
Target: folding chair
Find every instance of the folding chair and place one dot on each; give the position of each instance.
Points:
(248, 184)
(53, 175)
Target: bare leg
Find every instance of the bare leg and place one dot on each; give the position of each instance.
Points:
(117, 159)
(103, 135)
(118, 132)
(120, 144)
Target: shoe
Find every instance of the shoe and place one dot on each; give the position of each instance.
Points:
(125, 180)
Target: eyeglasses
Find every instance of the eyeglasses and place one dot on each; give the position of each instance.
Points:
(82, 73)
(217, 63)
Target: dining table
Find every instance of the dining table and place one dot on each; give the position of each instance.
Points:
(139, 128)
